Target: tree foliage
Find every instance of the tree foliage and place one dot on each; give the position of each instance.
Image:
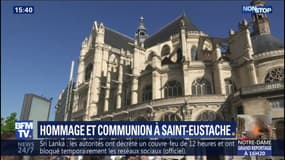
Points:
(8, 124)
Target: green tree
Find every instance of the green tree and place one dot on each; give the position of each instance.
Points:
(8, 124)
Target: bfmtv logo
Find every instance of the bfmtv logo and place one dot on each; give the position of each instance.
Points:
(24, 129)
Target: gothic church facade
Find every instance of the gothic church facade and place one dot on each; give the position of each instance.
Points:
(181, 73)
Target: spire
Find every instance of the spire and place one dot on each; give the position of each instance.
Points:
(260, 21)
(184, 13)
(141, 27)
(141, 34)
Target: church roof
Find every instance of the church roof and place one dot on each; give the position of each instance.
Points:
(265, 43)
(118, 40)
(170, 29)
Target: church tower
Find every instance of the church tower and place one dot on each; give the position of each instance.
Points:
(141, 33)
(260, 21)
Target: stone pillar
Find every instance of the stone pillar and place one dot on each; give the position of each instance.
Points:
(219, 80)
(81, 63)
(248, 54)
(135, 84)
(248, 49)
(80, 72)
(75, 102)
(218, 52)
(107, 91)
(183, 41)
(120, 80)
(97, 69)
(252, 73)
(156, 62)
(95, 86)
(185, 55)
(88, 99)
(156, 85)
(137, 60)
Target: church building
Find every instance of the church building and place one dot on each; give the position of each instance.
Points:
(180, 73)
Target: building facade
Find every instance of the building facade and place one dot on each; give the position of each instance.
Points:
(35, 108)
(181, 73)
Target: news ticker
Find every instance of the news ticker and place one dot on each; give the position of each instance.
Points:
(126, 129)
(143, 147)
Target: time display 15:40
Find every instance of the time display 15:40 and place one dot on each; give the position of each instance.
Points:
(24, 9)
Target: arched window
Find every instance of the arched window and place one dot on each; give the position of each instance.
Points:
(207, 116)
(201, 87)
(194, 55)
(113, 62)
(149, 58)
(275, 75)
(170, 117)
(140, 118)
(230, 87)
(172, 89)
(88, 71)
(113, 98)
(280, 129)
(82, 100)
(165, 50)
(113, 59)
(277, 103)
(147, 93)
(127, 95)
(179, 55)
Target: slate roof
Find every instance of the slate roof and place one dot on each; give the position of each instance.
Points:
(265, 42)
(170, 29)
(117, 40)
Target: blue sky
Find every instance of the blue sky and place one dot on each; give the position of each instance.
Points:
(37, 49)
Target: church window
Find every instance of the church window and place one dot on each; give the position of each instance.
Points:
(113, 98)
(277, 103)
(149, 58)
(82, 101)
(207, 116)
(127, 96)
(147, 93)
(179, 55)
(165, 50)
(88, 72)
(170, 117)
(230, 88)
(201, 87)
(194, 56)
(172, 89)
(275, 75)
